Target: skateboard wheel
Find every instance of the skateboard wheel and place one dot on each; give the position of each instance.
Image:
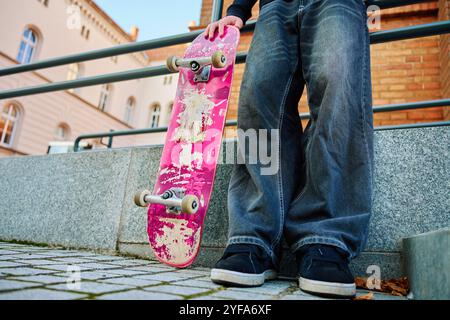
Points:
(219, 60)
(171, 64)
(139, 198)
(189, 204)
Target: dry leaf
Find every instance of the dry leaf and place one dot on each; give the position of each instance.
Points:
(397, 287)
(368, 296)
(361, 282)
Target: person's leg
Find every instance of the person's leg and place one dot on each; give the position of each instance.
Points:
(334, 207)
(270, 91)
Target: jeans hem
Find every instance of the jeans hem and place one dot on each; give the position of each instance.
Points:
(255, 241)
(322, 240)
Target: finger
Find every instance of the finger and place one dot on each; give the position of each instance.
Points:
(221, 28)
(212, 30)
(238, 23)
(206, 32)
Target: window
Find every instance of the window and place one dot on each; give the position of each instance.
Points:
(62, 132)
(105, 96)
(28, 46)
(74, 73)
(44, 2)
(167, 80)
(129, 110)
(85, 32)
(155, 115)
(8, 123)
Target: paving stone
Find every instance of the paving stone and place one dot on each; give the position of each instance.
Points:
(29, 256)
(65, 254)
(45, 279)
(301, 297)
(106, 258)
(24, 271)
(40, 294)
(195, 272)
(129, 262)
(71, 260)
(203, 298)
(239, 295)
(153, 268)
(205, 278)
(176, 289)
(14, 285)
(37, 262)
(199, 284)
(8, 257)
(96, 266)
(7, 252)
(92, 287)
(271, 287)
(166, 276)
(64, 267)
(92, 275)
(139, 295)
(132, 281)
(125, 272)
(9, 264)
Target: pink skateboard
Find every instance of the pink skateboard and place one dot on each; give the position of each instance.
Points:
(178, 204)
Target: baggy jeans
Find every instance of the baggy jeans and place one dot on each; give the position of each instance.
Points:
(322, 190)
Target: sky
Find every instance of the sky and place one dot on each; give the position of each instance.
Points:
(155, 18)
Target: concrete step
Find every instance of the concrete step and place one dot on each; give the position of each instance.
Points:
(84, 200)
(427, 261)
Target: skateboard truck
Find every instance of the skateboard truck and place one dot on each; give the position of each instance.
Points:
(200, 66)
(174, 199)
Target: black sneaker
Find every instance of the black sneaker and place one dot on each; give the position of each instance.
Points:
(243, 265)
(324, 271)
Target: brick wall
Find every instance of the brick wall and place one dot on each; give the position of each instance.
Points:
(407, 71)
(444, 14)
(402, 71)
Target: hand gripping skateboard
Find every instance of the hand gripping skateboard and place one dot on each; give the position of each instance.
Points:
(178, 204)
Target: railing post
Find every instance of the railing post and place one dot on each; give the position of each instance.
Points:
(110, 140)
(217, 10)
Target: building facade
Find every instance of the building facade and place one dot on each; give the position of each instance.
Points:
(34, 30)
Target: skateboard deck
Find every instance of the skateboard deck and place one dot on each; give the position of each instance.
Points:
(191, 149)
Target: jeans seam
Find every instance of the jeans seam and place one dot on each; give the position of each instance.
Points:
(364, 115)
(280, 179)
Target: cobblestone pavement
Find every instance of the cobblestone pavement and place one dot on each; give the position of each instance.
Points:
(43, 273)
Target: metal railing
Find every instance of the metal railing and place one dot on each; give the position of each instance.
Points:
(304, 116)
(423, 30)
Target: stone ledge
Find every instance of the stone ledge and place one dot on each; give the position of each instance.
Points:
(427, 258)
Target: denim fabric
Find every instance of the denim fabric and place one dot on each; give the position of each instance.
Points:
(322, 192)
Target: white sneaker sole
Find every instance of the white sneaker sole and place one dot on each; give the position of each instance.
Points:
(344, 290)
(242, 279)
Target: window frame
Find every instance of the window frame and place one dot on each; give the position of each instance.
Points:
(155, 116)
(23, 56)
(8, 118)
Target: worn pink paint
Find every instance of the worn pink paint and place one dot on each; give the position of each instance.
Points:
(198, 182)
